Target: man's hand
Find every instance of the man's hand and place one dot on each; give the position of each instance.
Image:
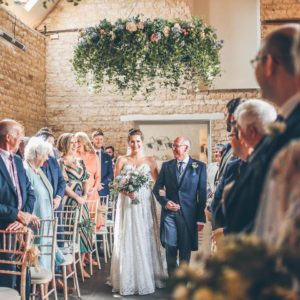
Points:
(15, 226)
(172, 206)
(162, 193)
(216, 234)
(56, 202)
(101, 186)
(24, 217)
(207, 214)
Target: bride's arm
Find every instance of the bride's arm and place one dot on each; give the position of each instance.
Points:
(153, 167)
(119, 165)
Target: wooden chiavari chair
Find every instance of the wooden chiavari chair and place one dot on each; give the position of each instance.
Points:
(14, 246)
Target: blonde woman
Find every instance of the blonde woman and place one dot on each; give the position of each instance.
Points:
(76, 177)
(86, 152)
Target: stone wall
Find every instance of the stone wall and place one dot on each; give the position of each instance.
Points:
(74, 108)
(22, 75)
(274, 13)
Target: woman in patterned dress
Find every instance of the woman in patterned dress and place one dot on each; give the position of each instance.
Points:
(76, 176)
(86, 152)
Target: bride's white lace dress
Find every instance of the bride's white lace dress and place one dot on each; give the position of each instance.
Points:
(137, 262)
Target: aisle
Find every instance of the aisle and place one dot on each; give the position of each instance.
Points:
(96, 289)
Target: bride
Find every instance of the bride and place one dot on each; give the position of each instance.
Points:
(137, 266)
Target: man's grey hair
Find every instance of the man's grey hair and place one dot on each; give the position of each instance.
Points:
(10, 126)
(37, 148)
(257, 113)
(185, 141)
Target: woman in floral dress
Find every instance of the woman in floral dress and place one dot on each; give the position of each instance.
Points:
(76, 176)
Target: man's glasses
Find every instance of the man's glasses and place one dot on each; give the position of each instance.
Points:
(175, 146)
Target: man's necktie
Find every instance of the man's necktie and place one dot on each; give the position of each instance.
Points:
(15, 180)
(180, 168)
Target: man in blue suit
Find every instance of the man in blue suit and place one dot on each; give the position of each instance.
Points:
(183, 180)
(16, 193)
(105, 162)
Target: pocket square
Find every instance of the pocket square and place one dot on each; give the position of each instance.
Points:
(106, 161)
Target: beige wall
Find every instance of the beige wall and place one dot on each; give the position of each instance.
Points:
(24, 94)
(237, 23)
(73, 108)
(22, 75)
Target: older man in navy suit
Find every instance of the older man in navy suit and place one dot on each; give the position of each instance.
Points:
(105, 162)
(16, 193)
(183, 180)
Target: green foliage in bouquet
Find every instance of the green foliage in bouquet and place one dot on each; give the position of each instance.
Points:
(244, 268)
(137, 55)
(88, 225)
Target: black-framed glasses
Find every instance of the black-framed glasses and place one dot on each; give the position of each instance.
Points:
(254, 62)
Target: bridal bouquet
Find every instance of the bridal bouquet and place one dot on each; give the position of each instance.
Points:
(130, 181)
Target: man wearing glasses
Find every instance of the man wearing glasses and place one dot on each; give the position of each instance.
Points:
(184, 181)
(275, 73)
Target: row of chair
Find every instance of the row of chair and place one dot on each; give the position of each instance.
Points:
(62, 230)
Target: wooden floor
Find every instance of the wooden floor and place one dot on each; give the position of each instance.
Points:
(97, 289)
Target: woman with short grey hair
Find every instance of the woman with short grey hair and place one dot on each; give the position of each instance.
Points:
(253, 117)
(36, 153)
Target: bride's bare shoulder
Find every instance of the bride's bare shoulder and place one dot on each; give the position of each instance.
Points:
(122, 159)
(151, 160)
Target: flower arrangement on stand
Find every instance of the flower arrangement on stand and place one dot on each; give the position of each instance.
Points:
(139, 55)
(244, 268)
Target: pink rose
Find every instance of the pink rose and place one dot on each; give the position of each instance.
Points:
(154, 38)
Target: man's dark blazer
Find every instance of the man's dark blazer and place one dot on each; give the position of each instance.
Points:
(241, 203)
(53, 173)
(225, 159)
(231, 173)
(189, 193)
(107, 174)
(9, 208)
(8, 195)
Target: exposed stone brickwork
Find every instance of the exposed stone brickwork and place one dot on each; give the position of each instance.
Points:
(73, 108)
(22, 75)
(279, 9)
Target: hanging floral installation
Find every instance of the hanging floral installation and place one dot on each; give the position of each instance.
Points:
(139, 55)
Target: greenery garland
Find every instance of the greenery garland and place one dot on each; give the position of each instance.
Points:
(139, 55)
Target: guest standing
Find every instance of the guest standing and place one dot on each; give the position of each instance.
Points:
(76, 176)
(86, 152)
(16, 193)
(105, 162)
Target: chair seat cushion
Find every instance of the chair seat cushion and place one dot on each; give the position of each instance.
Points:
(110, 223)
(68, 260)
(102, 230)
(40, 275)
(8, 293)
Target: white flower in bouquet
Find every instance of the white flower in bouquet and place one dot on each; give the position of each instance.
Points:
(131, 181)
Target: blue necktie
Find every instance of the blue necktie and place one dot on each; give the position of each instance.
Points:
(180, 168)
